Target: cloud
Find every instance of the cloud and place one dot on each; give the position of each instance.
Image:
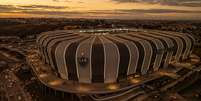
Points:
(43, 7)
(51, 12)
(157, 11)
(57, 11)
(12, 8)
(108, 13)
(19, 8)
(7, 8)
(79, 2)
(46, 9)
(61, 0)
(187, 3)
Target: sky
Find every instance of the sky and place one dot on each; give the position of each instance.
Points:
(102, 9)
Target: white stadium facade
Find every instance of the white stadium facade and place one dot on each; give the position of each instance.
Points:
(102, 61)
(104, 58)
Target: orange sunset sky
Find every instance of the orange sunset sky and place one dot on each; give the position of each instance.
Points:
(108, 9)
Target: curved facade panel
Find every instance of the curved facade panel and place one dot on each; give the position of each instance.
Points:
(109, 55)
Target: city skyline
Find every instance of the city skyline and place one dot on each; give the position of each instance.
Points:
(106, 9)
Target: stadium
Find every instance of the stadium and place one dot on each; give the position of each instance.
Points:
(108, 61)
